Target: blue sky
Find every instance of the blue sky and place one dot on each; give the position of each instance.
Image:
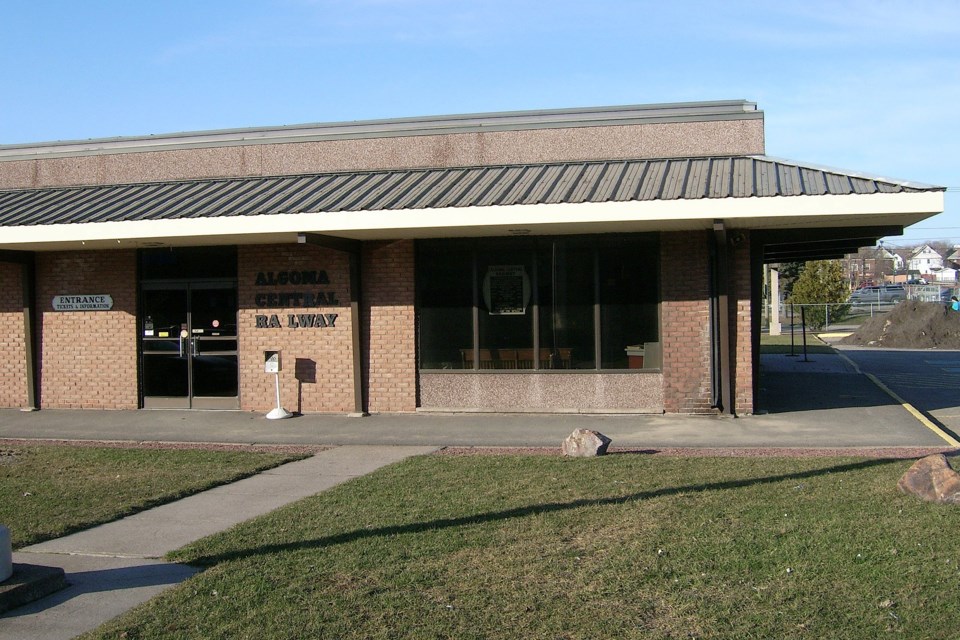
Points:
(867, 86)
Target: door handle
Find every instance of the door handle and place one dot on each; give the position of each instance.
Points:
(181, 345)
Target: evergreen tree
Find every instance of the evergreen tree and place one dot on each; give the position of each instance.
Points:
(821, 285)
(789, 271)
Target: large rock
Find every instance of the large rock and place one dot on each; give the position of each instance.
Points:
(932, 479)
(584, 443)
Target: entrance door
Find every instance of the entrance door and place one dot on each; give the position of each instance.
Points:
(189, 345)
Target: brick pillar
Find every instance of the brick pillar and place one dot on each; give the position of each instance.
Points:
(685, 317)
(741, 323)
(13, 374)
(390, 357)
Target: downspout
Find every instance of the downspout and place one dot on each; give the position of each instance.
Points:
(720, 336)
(28, 279)
(756, 313)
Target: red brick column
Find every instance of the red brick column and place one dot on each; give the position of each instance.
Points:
(13, 374)
(685, 318)
(390, 357)
(88, 359)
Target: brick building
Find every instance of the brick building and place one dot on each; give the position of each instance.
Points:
(592, 260)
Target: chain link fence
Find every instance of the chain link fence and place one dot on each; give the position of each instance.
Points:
(826, 317)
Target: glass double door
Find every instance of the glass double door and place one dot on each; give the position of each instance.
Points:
(188, 334)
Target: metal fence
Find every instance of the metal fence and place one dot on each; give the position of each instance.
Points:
(832, 316)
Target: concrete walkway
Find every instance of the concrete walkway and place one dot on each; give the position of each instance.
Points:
(116, 566)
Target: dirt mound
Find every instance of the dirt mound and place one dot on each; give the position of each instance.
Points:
(911, 325)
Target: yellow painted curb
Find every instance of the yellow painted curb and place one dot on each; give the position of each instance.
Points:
(834, 335)
(906, 405)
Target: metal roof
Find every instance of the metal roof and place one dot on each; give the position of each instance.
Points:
(508, 185)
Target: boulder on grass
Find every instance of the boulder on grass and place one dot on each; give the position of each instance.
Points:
(932, 479)
(585, 443)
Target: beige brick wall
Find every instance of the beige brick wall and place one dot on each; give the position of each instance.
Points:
(741, 306)
(390, 326)
(88, 359)
(685, 321)
(13, 374)
(317, 361)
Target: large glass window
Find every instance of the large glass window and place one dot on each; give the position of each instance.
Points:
(545, 303)
(566, 293)
(505, 329)
(628, 307)
(445, 291)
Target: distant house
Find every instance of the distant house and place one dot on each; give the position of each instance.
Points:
(925, 260)
(953, 260)
(947, 274)
(893, 259)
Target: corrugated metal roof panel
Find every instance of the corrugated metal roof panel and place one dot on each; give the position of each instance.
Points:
(499, 184)
(862, 186)
(653, 181)
(607, 185)
(836, 184)
(698, 179)
(631, 181)
(814, 182)
(742, 180)
(765, 179)
(720, 178)
(789, 180)
(626, 180)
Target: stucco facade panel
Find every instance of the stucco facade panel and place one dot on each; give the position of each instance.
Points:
(652, 140)
(18, 174)
(562, 392)
(216, 162)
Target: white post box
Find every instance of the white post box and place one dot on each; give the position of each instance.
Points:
(272, 364)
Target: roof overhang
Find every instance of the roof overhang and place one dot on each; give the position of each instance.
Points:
(778, 213)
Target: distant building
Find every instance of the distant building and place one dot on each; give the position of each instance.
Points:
(925, 260)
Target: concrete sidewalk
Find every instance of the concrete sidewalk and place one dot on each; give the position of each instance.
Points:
(116, 566)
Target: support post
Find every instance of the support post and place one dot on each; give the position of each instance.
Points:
(723, 321)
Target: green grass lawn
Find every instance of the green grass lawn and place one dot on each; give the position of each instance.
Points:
(623, 546)
(48, 491)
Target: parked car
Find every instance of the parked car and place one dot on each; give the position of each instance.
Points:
(881, 293)
(916, 281)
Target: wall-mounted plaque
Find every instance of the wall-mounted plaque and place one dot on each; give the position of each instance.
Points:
(90, 302)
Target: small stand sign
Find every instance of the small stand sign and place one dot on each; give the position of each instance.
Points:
(271, 364)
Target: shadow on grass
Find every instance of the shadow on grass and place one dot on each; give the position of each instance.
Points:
(521, 512)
